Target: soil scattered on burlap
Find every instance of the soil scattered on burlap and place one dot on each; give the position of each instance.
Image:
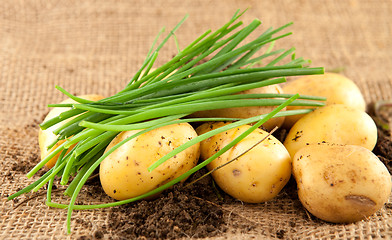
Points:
(181, 212)
(20, 160)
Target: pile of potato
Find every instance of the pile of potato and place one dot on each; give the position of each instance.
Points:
(328, 151)
(338, 177)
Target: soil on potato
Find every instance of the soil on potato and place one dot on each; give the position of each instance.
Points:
(190, 212)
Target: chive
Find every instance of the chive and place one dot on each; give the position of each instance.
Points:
(129, 127)
(244, 61)
(94, 151)
(63, 116)
(71, 127)
(282, 56)
(50, 184)
(149, 58)
(65, 105)
(71, 187)
(76, 99)
(31, 186)
(45, 160)
(54, 172)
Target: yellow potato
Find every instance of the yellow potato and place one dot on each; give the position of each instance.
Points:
(124, 173)
(47, 137)
(257, 176)
(336, 123)
(341, 183)
(246, 112)
(335, 87)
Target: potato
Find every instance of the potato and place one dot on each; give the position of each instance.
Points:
(124, 173)
(341, 183)
(335, 87)
(47, 137)
(257, 176)
(336, 123)
(246, 112)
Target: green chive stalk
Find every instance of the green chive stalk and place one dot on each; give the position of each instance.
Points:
(207, 74)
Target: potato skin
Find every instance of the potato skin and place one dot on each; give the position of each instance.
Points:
(255, 177)
(124, 173)
(246, 112)
(337, 88)
(335, 123)
(341, 183)
(46, 137)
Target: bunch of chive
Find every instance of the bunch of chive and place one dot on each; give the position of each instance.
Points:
(184, 85)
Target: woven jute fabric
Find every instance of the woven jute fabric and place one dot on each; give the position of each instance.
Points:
(95, 47)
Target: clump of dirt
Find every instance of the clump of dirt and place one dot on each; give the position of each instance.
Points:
(383, 149)
(25, 164)
(383, 119)
(191, 212)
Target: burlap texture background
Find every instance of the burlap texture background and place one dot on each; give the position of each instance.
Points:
(95, 47)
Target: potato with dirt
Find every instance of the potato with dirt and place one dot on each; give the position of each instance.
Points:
(335, 123)
(337, 88)
(47, 137)
(124, 173)
(246, 112)
(255, 177)
(341, 183)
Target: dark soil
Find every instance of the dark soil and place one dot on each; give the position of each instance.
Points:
(383, 149)
(27, 164)
(184, 211)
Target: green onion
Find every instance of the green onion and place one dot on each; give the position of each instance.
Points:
(207, 74)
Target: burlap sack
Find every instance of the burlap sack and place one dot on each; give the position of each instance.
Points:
(96, 46)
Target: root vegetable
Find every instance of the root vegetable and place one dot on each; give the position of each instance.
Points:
(124, 173)
(335, 123)
(341, 183)
(337, 88)
(258, 175)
